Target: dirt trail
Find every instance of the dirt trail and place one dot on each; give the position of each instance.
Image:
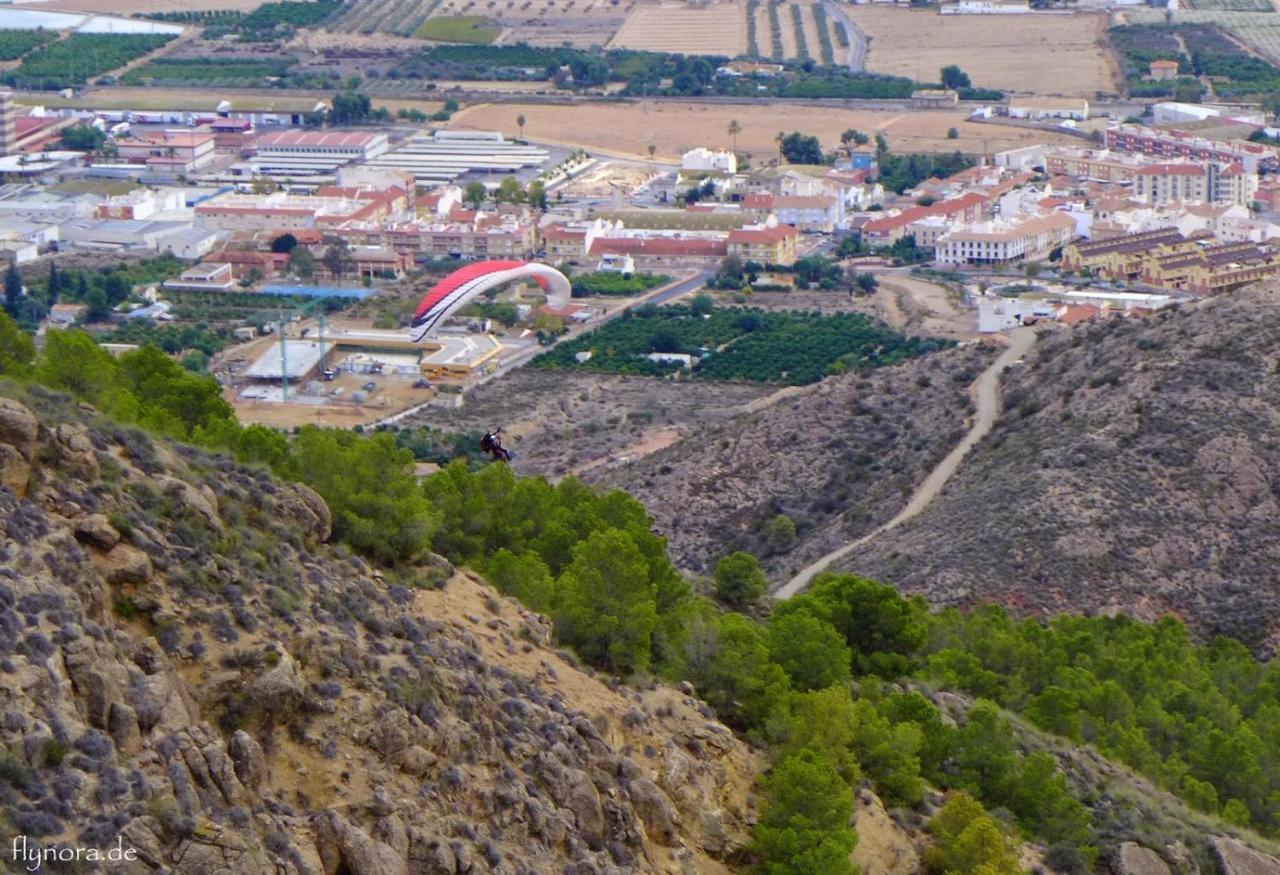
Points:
(985, 392)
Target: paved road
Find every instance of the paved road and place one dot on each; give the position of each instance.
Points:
(857, 39)
(985, 393)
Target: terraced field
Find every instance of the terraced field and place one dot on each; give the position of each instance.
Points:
(719, 29)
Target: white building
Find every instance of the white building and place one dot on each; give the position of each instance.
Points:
(1039, 108)
(1000, 242)
(720, 160)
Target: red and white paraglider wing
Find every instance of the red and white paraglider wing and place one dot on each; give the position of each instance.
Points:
(460, 287)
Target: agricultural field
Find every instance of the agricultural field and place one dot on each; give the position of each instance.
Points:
(758, 346)
(16, 43)
(626, 130)
(1259, 31)
(472, 29)
(579, 23)
(717, 29)
(1011, 54)
(210, 72)
(80, 58)
(793, 31)
(402, 17)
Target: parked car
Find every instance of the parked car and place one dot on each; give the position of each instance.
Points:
(421, 384)
(370, 386)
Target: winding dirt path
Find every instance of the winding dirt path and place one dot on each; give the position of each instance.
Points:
(985, 392)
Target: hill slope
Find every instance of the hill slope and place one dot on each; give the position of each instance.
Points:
(188, 667)
(836, 458)
(1137, 468)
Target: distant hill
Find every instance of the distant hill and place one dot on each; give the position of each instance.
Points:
(836, 459)
(1137, 469)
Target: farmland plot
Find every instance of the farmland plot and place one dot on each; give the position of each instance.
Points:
(1259, 31)
(719, 29)
(1011, 54)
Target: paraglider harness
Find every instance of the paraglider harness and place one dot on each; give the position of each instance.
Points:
(492, 444)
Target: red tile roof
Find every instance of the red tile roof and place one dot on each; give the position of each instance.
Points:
(762, 235)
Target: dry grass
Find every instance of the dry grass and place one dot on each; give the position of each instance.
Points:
(719, 29)
(1049, 54)
(674, 128)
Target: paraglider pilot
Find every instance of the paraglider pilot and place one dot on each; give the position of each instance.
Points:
(491, 443)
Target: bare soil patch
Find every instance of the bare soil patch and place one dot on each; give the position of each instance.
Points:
(1049, 54)
(675, 128)
(718, 29)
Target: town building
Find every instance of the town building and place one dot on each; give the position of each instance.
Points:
(935, 98)
(168, 152)
(715, 160)
(1170, 145)
(764, 244)
(1163, 70)
(1002, 242)
(1038, 108)
(1201, 182)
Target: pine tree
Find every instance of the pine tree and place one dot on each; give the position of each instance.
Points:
(12, 289)
(55, 284)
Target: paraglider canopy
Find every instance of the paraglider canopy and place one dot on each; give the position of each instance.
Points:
(460, 287)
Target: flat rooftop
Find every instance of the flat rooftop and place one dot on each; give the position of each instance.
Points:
(301, 357)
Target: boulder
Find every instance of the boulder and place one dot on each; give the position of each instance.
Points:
(1133, 859)
(74, 451)
(430, 855)
(247, 757)
(347, 848)
(187, 498)
(281, 688)
(122, 723)
(97, 530)
(583, 800)
(655, 809)
(1236, 858)
(18, 431)
(123, 563)
(303, 506)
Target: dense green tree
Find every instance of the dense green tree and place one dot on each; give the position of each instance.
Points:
(797, 148)
(804, 823)
(884, 630)
(284, 243)
(606, 605)
(969, 841)
(302, 262)
(824, 720)
(82, 138)
(475, 193)
(73, 362)
(1056, 710)
(509, 191)
(955, 78)
(526, 577)
(17, 351)
(739, 579)
(12, 289)
(349, 108)
(537, 194)
(173, 401)
(810, 650)
(368, 483)
(99, 308)
(734, 673)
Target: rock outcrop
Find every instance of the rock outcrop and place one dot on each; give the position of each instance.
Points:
(189, 670)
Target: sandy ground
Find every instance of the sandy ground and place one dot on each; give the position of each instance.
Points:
(719, 29)
(1049, 54)
(675, 128)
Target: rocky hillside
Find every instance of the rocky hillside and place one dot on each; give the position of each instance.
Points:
(188, 667)
(837, 459)
(1137, 468)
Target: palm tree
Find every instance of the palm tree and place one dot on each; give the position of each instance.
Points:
(520, 120)
(778, 139)
(734, 130)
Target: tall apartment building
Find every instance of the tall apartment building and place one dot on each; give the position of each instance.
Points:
(8, 124)
(1195, 183)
